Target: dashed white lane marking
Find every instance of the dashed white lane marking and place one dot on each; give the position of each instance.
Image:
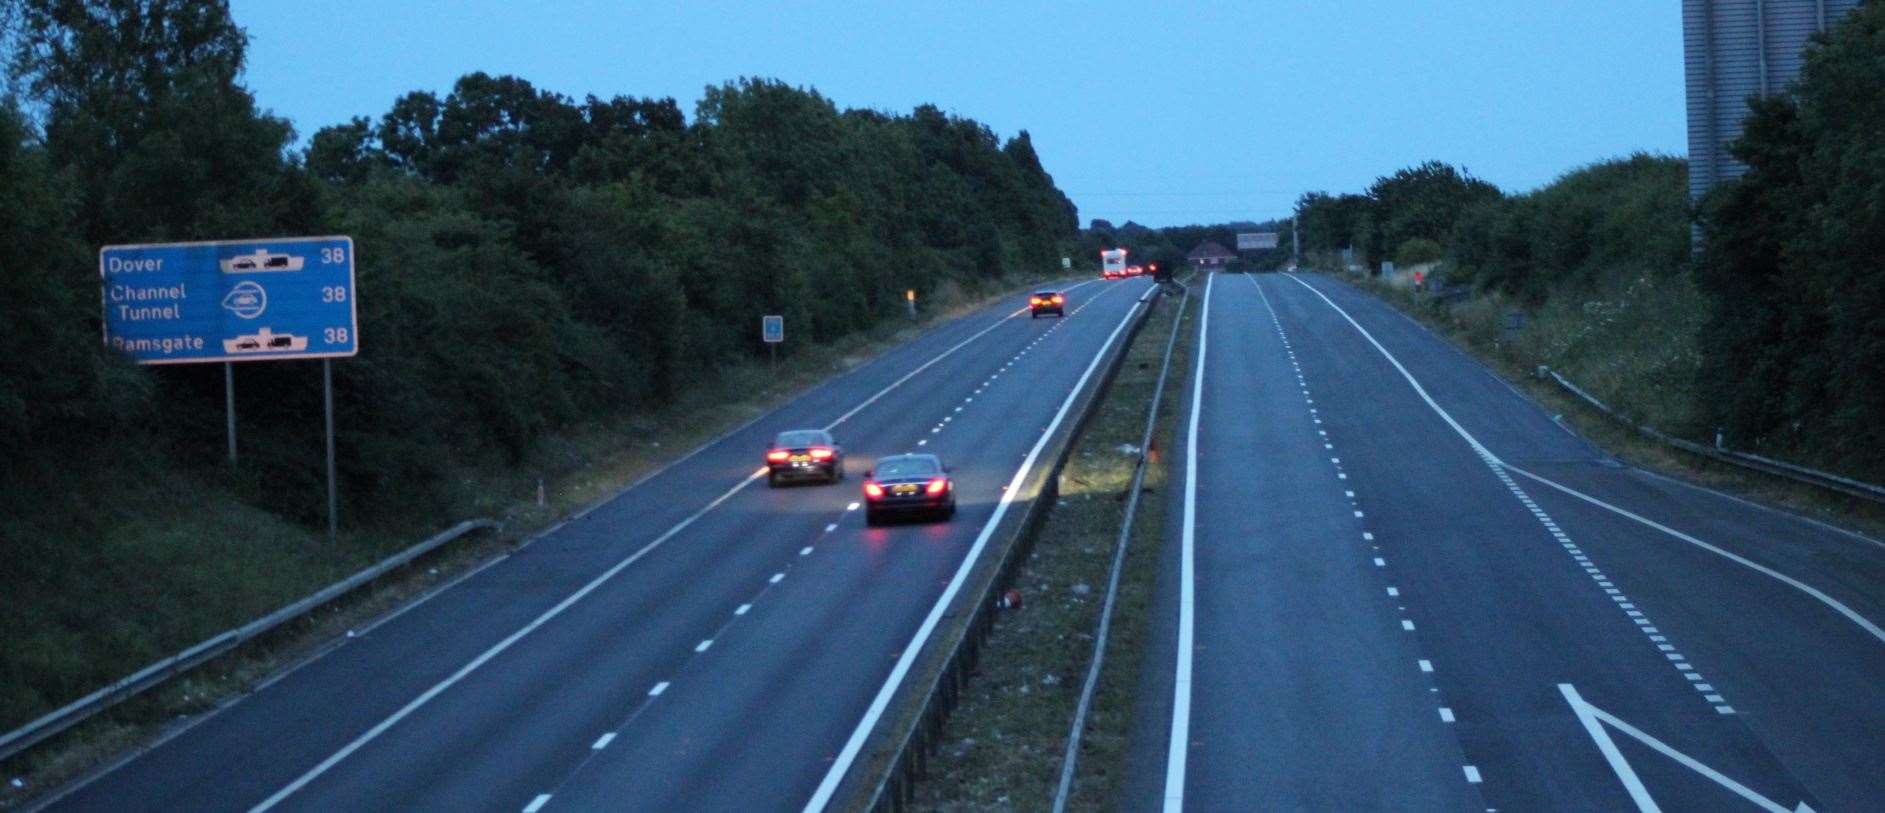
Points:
(923, 442)
(537, 803)
(776, 577)
(602, 741)
(832, 527)
(805, 551)
(846, 757)
(744, 608)
(658, 689)
(703, 645)
(1426, 666)
(1499, 469)
(851, 507)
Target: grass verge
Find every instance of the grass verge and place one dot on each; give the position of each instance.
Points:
(273, 562)
(1597, 354)
(1001, 748)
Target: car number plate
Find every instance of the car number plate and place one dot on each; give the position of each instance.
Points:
(904, 489)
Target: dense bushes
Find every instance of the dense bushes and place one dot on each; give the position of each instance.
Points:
(525, 259)
(1599, 259)
(1591, 228)
(1796, 339)
(526, 262)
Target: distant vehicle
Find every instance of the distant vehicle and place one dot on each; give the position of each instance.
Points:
(907, 484)
(1113, 263)
(1134, 270)
(1053, 302)
(804, 454)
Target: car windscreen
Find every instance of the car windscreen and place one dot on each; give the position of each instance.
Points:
(906, 467)
(795, 440)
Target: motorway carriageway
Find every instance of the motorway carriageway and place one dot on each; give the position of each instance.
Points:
(1394, 583)
(699, 641)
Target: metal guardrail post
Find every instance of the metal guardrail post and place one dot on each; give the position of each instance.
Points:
(1744, 460)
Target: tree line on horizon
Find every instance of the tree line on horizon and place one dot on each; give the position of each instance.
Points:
(526, 260)
(1791, 334)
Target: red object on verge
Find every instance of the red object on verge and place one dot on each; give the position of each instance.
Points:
(1011, 599)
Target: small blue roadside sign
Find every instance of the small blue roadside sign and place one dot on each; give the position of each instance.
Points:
(235, 300)
(772, 329)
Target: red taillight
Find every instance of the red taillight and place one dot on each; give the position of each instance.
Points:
(938, 486)
(821, 454)
(777, 456)
(1035, 300)
(1058, 299)
(873, 491)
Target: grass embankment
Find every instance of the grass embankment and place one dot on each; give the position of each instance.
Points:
(1002, 748)
(1635, 348)
(208, 560)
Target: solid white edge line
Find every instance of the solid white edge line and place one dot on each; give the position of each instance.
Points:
(1180, 738)
(841, 765)
(1816, 594)
(926, 365)
(1852, 615)
(426, 697)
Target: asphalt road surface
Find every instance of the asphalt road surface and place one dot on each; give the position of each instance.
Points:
(1395, 583)
(701, 641)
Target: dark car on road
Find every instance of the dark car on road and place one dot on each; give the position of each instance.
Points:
(802, 454)
(908, 485)
(1053, 302)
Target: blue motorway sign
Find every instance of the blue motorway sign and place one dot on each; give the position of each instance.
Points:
(772, 329)
(236, 300)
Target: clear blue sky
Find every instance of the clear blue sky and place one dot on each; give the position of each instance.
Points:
(1163, 113)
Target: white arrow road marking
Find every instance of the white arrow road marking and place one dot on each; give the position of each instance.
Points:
(1594, 720)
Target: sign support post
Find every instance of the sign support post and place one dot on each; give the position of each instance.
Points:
(333, 493)
(272, 299)
(229, 405)
(772, 332)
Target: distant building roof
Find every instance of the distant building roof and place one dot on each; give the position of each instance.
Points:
(1210, 249)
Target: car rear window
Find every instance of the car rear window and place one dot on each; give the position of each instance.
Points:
(1046, 294)
(793, 440)
(906, 467)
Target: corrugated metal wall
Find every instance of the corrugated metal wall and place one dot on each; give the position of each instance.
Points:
(1734, 49)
